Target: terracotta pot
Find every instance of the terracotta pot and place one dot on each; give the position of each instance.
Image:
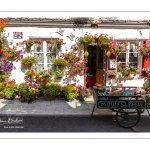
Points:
(59, 46)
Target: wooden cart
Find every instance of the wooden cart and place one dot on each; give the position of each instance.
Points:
(127, 106)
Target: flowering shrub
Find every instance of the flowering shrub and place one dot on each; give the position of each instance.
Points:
(11, 52)
(102, 40)
(3, 24)
(27, 92)
(74, 47)
(147, 70)
(10, 89)
(143, 51)
(42, 75)
(87, 39)
(77, 63)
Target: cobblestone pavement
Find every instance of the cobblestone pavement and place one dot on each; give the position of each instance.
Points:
(54, 107)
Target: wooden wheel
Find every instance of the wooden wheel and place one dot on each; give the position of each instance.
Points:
(127, 118)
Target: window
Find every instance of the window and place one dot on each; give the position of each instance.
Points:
(131, 56)
(45, 54)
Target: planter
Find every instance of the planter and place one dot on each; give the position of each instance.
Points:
(28, 47)
(38, 48)
(58, 79)
(47, 98)
(58, 46)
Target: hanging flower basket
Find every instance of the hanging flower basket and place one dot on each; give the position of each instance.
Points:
(28, 47)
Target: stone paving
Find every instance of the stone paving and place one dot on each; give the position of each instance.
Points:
(54, 107)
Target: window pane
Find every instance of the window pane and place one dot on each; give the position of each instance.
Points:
(121, 57)
(133, 57)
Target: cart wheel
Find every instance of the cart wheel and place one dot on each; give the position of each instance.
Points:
(127, 118)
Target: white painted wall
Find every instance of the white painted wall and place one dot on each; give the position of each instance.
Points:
(51, 32)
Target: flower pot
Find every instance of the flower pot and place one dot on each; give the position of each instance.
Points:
(58, 46)
(47, 98)
(69, 100)
(38, 48)
(60, 67)
(81, 98)
(58, 79)
(28, 47)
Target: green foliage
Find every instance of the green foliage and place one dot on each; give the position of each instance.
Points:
(27, 93)
(70, 92)
(51, 89)
(60, 62)
(59, 73)
(8, 93)
(147, 85)
(1, 93)
(29, 42)
(28, 60)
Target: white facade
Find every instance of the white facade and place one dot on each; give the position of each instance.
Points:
(48, 33)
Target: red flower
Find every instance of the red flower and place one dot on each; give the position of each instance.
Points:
(39, 42)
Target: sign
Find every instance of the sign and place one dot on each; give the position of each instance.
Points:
(18, 35)
(120, 103)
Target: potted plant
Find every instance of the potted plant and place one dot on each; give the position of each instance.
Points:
(60, 62)
(59, 42)
(2, 86)
(111, 73)
(39, 45)
(58, 75)
(1, 94)
(26, 92)
(83, 92)
(10, 90)
(126, 70)
(86, 40)
(51, 90)
(29, 60)
(70, 92)
(29, 43)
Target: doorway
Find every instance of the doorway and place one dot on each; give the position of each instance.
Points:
(95, 73)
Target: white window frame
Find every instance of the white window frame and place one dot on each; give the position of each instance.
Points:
(44, 40)
(139, 63)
